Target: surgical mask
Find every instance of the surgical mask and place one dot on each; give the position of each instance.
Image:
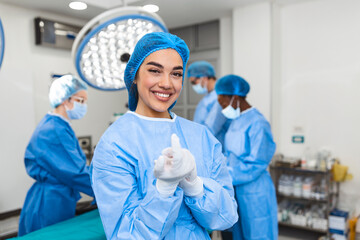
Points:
(231, 113)
(79, 110)
(199, 89)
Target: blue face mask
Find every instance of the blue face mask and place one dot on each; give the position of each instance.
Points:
(79, 110)
(199, 89)
(231, 113)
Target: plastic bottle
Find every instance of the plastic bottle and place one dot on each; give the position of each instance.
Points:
(297, 187)
(306, 187)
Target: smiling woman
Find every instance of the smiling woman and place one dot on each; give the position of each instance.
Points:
(159, 83)
(187, 189)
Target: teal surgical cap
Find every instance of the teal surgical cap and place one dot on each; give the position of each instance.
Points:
(63, 88)
(201, 69)
(232, 85)
(148, 44)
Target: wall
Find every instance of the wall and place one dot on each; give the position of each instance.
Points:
(320, 82)
(226, 53)
(25, 78)
(251, 52)
(303, 64)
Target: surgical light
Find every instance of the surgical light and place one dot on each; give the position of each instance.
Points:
(151, 8)
(104, 45)
(2, 43)
(78, 5)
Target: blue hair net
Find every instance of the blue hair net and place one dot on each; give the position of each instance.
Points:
(148, 44)
(201, 69)
(232, 85)
(63, 88)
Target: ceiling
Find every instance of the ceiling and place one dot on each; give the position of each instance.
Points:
(175, 13)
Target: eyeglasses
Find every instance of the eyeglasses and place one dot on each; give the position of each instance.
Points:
(79, 99)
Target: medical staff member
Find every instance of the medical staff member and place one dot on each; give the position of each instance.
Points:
(187, 189)
(249, 148)
(54, 159)
(201, 75)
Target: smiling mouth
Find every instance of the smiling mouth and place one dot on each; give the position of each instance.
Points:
(163, 95)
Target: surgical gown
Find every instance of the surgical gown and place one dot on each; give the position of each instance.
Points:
(55, 160)
(124, 185)
(249, 150)
(208, 113)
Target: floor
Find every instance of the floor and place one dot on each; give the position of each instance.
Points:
(285, 233)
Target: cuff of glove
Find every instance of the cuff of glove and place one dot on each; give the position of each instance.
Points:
(194, 188)
(165, 189)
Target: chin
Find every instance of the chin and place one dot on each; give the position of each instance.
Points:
(161, 108)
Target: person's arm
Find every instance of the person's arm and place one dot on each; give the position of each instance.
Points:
(63, 159)
(216, 209)
(200, 112)
(128, 212)
(215, 120)
(247, 168)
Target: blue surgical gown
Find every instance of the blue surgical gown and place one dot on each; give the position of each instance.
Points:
(124, 185)
(208, 113)
(249, 149)
(55, 160)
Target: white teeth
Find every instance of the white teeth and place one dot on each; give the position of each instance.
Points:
(163, 95)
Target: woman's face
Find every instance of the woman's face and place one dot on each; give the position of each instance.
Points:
(159, 83)
(80, 97)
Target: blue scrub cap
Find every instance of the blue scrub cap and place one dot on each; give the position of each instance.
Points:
(232, 85)
(201, 69)
(63, 88)
(148, 44)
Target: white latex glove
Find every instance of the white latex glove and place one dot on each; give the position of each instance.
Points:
(192, 185)
(172, 167)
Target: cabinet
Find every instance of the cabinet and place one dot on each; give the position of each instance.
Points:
(305, 197)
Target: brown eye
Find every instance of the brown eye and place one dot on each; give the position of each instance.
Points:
(154, 70)
(178, 74)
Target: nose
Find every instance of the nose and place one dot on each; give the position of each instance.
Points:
(165, 82)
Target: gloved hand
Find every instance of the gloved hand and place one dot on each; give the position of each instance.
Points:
(192, 185)
(171, 167)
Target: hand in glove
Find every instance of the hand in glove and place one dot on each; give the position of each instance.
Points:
(192, 185)
(171, 167)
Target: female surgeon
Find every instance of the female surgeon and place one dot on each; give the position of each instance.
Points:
(249, 148)
(187, 189)
(55, 160)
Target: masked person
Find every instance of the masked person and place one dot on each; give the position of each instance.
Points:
(201, 75)
(249, 148)
(55, 160)
(187, 190)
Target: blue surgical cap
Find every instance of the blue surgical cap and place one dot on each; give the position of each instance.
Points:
(232, 85)
(201, 69)
(63, 88)
(148, 44)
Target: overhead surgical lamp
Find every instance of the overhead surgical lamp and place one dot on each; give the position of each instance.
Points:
(2, 43)
(104, 45)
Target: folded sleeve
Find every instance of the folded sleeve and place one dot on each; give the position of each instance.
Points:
(247, 168)
(126, 211)
(217, 208)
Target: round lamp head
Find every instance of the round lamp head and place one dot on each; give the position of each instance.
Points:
(103, 46)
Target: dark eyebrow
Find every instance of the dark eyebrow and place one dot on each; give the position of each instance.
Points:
(178, 68)
(161, 66)
(155, 64)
